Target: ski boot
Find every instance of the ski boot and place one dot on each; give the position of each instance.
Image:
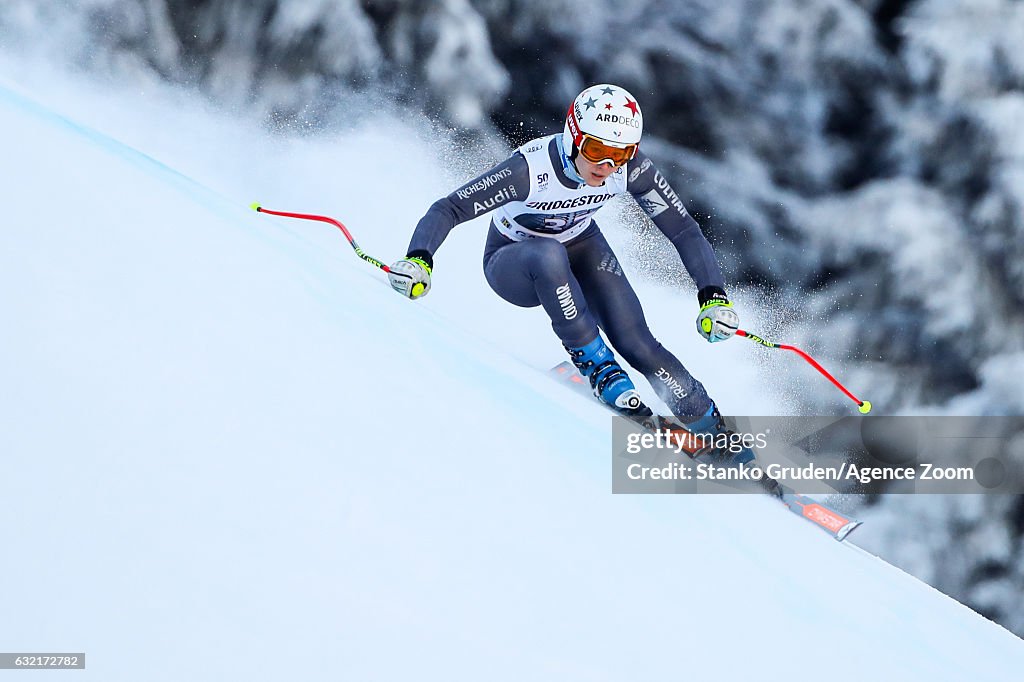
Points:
(725, 449)
(610, 382)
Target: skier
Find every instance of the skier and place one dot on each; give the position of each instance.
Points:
(544, 248)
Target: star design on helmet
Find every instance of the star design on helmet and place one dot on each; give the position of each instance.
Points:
(607, 106)
(606, 90)
(631, 105)
(590, 103)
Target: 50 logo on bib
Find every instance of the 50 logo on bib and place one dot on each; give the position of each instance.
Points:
(552, 224)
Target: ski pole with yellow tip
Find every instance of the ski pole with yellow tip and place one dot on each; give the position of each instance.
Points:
(331, 221)
(863, 405)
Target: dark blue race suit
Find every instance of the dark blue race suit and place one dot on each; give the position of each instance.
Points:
(529, 262)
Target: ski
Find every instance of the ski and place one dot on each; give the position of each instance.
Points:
(839, 526)
(826, 518)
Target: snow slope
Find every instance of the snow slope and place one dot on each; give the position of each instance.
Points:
(231, 452)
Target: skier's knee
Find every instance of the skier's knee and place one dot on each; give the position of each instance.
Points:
(547, 256)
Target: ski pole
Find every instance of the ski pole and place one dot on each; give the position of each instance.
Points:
(863, 405)
(324, 219)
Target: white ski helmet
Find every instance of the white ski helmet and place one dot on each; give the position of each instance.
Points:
(605, 121)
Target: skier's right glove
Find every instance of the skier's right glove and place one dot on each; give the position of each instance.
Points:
(410, 276)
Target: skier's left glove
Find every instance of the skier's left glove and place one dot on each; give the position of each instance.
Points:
(717, 320)
(410, 276)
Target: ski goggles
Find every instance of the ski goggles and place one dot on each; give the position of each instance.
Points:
(599, 151)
